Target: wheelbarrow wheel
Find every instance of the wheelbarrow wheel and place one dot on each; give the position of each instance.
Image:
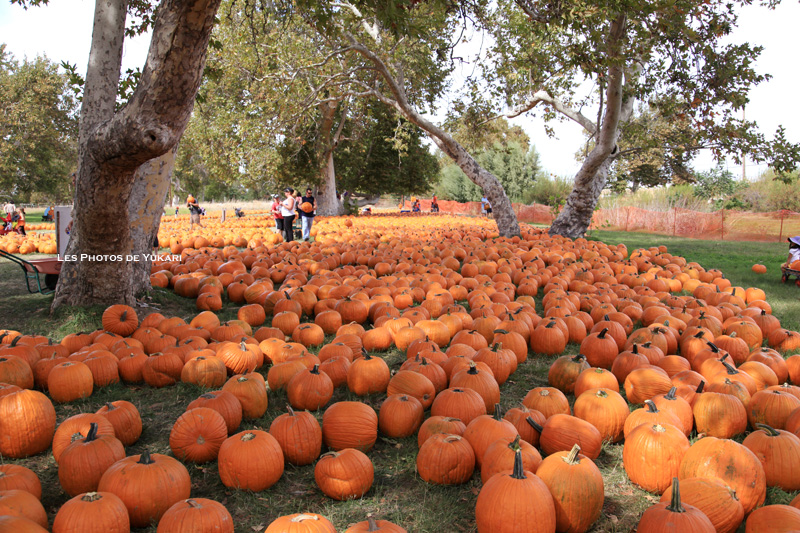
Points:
(50, 281)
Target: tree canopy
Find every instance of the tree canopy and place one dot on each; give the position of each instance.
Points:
(38, 130)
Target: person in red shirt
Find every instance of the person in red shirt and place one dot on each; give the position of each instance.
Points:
(276, 213)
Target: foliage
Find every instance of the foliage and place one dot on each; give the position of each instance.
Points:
(38, 129)
(549, 190)
(715, 183)
(769, 194)
(675, 57)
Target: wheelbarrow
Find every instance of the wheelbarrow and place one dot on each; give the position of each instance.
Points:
(50, 267)
(789, 273)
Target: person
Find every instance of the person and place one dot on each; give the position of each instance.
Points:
(794, 250)
(307, 218)
(486, 207)
(9, 208)
(416, 206)
(434, 204)
(176, 211)
(276, 213)
(8, 224)
(46, 216)
(194, 212)
(287, 210)
(19, 227)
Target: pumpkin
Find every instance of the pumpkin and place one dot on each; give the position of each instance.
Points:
(674, 516)
(84, 462)
(107, 512)
(445, 459)
(125, 420)
(481, 381)
(120, 319)
(759, 269)
(350, 425)
(719, 415)
(412, 384)
(714, 498)
(147, 484)
(196, 515)
(576, 485)
(223, 402)
(561, 432)
(486, 429)
(438, 424)
(733, 463)
(499, 456)
(368, 375)
(251, 392)
(779, 453)
(70, 381)
(345, 474)
(299, 436)
(652, 455)
(773, 519)
(400, 416)
(309, 389)
(197, 435)
(204, 371)
(372, 525)
(771, 408)
(301, 523)
(27, 423)
(565, 371)
(23, 504)
(515, 502)
(250, 460)
(14, 476)
(547, 400)
(606, 410)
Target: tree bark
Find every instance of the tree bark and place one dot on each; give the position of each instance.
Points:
(575, 218)
(327, 203)
(145, 209)
(114, 145)
(504, 216)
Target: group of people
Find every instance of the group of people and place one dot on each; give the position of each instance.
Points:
(294, 206)
(14, 219)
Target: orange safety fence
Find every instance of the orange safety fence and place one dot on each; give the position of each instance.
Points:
(723, 225)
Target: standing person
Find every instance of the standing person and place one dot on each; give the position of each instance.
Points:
(9, 208)
(276, 213)
(287, 210)
(307, 217)
(194, 212)
(20, 221)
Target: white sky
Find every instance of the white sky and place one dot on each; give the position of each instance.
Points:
(62, 31)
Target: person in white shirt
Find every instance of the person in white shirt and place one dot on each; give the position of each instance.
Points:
(288, 206)
(9, 208)
(794, 250)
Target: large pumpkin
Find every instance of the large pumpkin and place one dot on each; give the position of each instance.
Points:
(251, 460)
(27, 423)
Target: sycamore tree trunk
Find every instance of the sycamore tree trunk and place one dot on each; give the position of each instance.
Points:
(113, 145)
(327, 203)
(504, 216)
(575, 218)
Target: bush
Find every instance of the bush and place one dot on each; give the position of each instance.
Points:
(552, 191)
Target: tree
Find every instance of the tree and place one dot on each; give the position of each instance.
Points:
(669, 53)
(38, 129)
(124, 155)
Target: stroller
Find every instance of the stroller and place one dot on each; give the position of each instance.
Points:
(239, 212)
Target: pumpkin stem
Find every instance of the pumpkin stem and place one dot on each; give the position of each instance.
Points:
(651, 406)
(671, 394)
(110, 406)
(731, 371)
(700, 387)
(699, 334)
(518, 472)
(514, 444)
(473, 368)
(713, 347)
(578, 358)
(635, 348)
(572, 457)
(92, 435)
(531, 422)
(192, 503)
(145, 459)
(498, 412)
(675, 504)
(602, 334)
(373, 525)
(772, 432)
(91, 497)
(315, 370)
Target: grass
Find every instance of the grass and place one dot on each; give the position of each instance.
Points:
(397, 493)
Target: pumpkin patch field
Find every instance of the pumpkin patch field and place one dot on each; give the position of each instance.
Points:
(407, 373)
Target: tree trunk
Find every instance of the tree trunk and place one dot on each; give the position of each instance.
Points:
(575, 218)
(327, 203)
(145, 209)
(112, 146)
(506, 219)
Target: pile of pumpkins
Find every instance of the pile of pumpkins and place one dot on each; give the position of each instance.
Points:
(464, 306)
(15, 243)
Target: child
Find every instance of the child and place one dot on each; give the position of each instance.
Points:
(794, 250)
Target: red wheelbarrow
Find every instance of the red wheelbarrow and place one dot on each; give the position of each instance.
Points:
(50, 267)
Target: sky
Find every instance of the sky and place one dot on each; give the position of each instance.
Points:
(62, 31)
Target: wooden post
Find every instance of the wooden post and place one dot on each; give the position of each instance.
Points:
(780, 234)
(674, 220)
